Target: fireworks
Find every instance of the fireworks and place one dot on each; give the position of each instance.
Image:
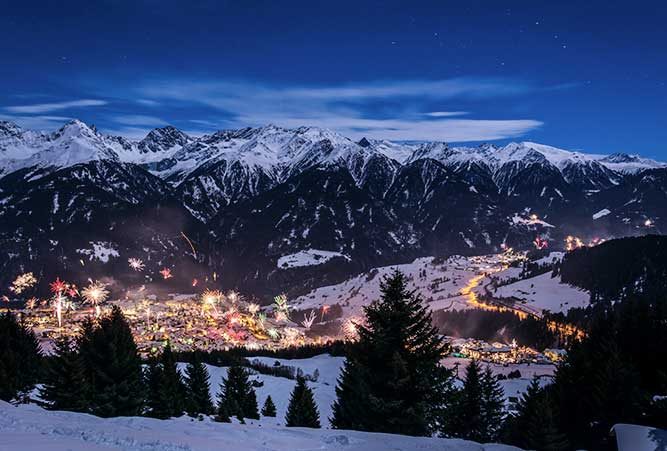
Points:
(95, 293)
(58, 304)
(573, 242)
(22, 283)
(210, 299)
(325, 310)
(166, 273)
(234, 297)
(273, 333)
(194, 252)
(648, 223)
(253, 308)
(281, 308)
(350, 329)
(57, 286)
(309, 319)
(540, 243)
(135, 264)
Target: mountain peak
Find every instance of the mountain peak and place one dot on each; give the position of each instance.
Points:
(10, 128)
(363, 142)
(163, 138)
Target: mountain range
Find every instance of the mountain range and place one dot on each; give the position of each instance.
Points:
(270, 209)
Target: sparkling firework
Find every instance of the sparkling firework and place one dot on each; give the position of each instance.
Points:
(166, 273)
(22, 283)
(233, 296)
(309, 319)
(253, 308)
(540, 243)
(211, 298)
(325, 310)
(350, 328)
(273, 333)
(261, 318)
(648, 223)
(57, 286)
(59, 304)
(135, 264)
(573, 242)
(95, 293)
(194, 252)
(281, 308)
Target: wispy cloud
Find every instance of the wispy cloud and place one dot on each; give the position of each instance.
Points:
(36, 122)
(56, 106)
(139, 119)
(355, 109)
(446, 113)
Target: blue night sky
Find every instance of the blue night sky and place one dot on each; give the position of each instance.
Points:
(580, 75)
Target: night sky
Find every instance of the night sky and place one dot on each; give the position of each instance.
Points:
(589, 76)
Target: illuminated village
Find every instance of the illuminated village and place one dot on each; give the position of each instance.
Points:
(215, 320)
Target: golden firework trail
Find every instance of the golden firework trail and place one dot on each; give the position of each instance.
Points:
(194, 251)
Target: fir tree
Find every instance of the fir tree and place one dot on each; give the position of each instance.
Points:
(112, 367)
(166, 388)
(302, 410)
(533, 426)
(152, 380)
(198, 387)
(492, 406)
(467, 419)
(269, 409)
(20, 358)
(392, 380)
(65, 382)
(237, 395)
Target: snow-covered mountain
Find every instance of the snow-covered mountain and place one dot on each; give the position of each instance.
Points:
(254, 195)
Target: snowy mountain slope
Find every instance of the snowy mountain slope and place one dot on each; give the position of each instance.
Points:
(544, 292)
(254, 195)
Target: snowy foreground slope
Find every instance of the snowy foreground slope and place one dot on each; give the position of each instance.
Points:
(28, 427)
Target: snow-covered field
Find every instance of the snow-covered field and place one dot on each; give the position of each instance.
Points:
(544, 292)
(28, 427)
(439, 282)
(309, 257)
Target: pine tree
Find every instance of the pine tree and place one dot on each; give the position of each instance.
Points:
(392, 380)
(65, 382)
(534, 425)
(492, 406)
(198, 387)
(166, 388)
(20, 358)
(302, 410)
(269, 409)
(466, 419)
(112, 367)
(152, 380)
(237, 395)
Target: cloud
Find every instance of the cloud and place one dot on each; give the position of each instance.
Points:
(138, 119)
(48, 107)
(37, 122)
(399, 110)
(446, 113)
(147, 102)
